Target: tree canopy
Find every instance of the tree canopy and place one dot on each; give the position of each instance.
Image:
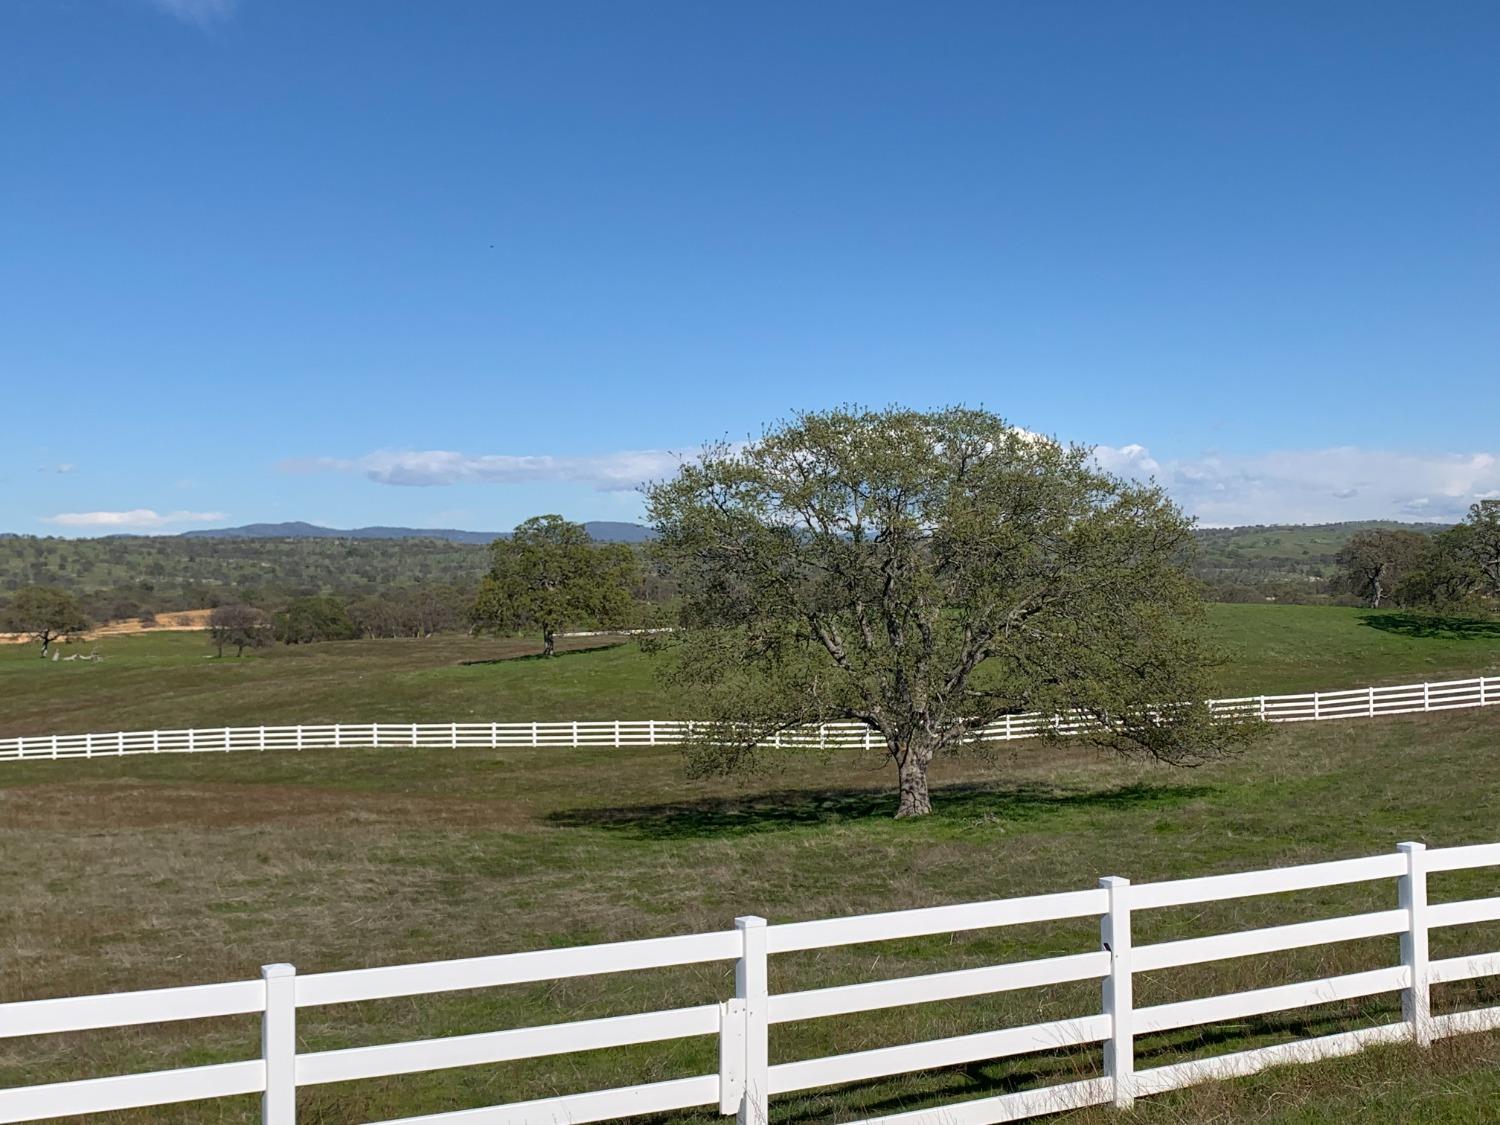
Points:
(310, 619)
(45, 613)
(242, 626)
(1374, 563)
(926, 574)
(550, 574)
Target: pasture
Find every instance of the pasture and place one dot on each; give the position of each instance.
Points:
(158, 871)
(150, 872)
(169, 680)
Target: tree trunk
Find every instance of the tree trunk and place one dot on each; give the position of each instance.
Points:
(549, 640)
(912, 771)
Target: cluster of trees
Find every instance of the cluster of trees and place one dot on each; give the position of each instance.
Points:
(127, 576)
(1453, 571)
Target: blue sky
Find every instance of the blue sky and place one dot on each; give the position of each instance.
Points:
(460, 263)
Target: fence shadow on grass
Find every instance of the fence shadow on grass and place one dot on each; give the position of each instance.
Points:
(744, 814)
(1433, 628)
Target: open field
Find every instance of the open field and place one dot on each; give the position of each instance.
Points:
(169, 681)
(150, 872)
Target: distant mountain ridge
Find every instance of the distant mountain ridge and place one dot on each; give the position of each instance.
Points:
(605, 531)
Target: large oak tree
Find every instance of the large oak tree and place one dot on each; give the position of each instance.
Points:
(927, 574)
(550, 574)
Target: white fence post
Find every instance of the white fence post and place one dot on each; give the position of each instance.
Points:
(1416, 999)
(455, 736)
(494, 735)
(651, 731)
(192, 747)
(752, 988)
(156, 742)
(1119, 992)
(1317, 705)
(575, 732)
(1372, 701)
(731, 1056)
(278, 1045)
(338, 741)
(533, 734)
(1427, 697)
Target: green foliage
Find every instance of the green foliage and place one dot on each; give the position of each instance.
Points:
(927, 573)
(241, 626)
(1295, 563)
(45, 613)
(549, 575)
(306, 620)
(1373, 563)
(120, 576)
(1460, 573)
(1476, 543)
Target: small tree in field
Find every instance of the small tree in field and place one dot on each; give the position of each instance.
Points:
(926, 575)
(242, 626)
(45, 613)
(549, 574)
(1372, 564)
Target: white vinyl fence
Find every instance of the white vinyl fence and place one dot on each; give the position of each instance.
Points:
(745, 1081)
(1307, 707)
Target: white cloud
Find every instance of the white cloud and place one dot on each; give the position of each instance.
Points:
(1293, 486)
(135, 518)
(608, 472)
(1315, 486)
(200, 12)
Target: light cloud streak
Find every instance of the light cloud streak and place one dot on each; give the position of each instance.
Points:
(135, 518)
(1291, 486)
(203, 13)
(1315, 485)
(608, 472)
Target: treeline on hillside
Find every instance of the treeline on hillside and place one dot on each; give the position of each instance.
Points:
(1454, 571)
(127, 576)
(547, 576)
(1296, 563)
(418, 587)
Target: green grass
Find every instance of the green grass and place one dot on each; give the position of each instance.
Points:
(148, 872)
(168, 680)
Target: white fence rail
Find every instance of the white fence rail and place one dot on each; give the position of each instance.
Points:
(1354, 703)
(745, 1080)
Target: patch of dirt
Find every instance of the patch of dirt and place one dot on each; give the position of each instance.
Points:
(181, 621)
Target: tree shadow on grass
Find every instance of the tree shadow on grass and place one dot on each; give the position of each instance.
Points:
(1432, 627)
(560, 654)
(742, 815)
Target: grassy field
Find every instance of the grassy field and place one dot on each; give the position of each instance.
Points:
(169, 680)
(148, 872)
